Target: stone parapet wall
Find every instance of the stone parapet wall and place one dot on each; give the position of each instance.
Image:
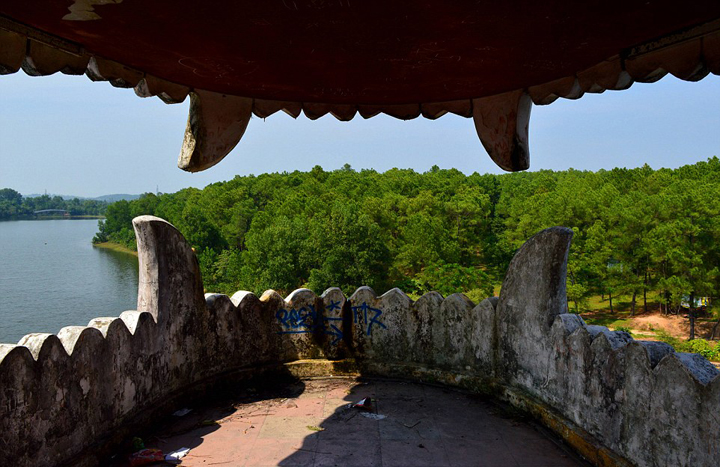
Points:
(615, 399)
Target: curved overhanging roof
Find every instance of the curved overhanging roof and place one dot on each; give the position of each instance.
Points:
(480, 59)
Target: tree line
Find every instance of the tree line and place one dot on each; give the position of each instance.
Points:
(13, 205)
(637, 231)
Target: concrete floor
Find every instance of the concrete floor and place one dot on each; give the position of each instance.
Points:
(309, 423)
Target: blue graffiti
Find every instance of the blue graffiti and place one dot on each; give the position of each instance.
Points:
(360, 314)
(297, 321)
(307, 320)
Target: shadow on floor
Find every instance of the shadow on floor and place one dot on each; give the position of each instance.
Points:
(311, 423)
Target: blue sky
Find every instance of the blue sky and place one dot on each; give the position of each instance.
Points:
(68, 135)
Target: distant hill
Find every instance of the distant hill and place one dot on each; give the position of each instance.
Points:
(118, 197)
(106, 198)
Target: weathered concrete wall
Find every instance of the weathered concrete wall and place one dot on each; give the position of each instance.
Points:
(611, 397)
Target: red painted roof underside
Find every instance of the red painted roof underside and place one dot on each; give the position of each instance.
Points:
(363, 51)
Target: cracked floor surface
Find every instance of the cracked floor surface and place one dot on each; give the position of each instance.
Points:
(310, 423)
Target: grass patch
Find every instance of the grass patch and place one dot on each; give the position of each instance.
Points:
(623, 303)
(611, 321)
(116, 247)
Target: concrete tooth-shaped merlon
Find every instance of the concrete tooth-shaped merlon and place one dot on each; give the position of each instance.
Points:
(131, 318)
(616, 339)
(264, 108)
(102, 324)
(452, 340)
(379, 324)
(243, 296)
(35, 342)
(169, 284)
(43, 60)
(12, 51)
(678, 400)
(70, 335)
(435, 110)
(683, 60)
(656, 351)
(338, 328)
(570, 322)
(421, 327)
(701, 369)
(168, 92)
(215, 125)
(502, 123)
(533, 293)
(300, 322)
(270, 296)
(534, 284)
(217, 300)
(605, 75)
(120, 76)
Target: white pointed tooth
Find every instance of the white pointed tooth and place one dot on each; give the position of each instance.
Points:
(43, 60)
(12, 51)
(502, 123)
(313, 111)
(399, 111)
(605, 75)
(402, 112)
(435, 110)
(215, 125)
(547, 93)
(264, 108)
(711, 52)
(683, 60)
(120, 76)
(369, 111)
(170, 93)
(344, 113)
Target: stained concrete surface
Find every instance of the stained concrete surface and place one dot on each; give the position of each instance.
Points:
(309, 423)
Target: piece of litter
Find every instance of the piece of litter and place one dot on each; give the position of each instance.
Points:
(315, 428)
(374, 416)
(175, 456)
(363, 404)
(182, 412)
(208, 423)
(145, 457)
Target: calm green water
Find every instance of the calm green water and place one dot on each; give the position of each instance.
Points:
(51, 276)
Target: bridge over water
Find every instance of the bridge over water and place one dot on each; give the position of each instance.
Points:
(52, 211)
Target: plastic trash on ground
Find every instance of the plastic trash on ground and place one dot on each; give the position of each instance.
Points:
(146, 456)
(175, 456)
(182, 412)
(363, 404)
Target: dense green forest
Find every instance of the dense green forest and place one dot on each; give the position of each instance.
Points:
(637, 231)
(14, 206)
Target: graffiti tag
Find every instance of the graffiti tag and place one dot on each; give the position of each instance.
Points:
(306, 320)
(360, 315)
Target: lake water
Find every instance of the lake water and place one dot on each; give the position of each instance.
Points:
(51, 276)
